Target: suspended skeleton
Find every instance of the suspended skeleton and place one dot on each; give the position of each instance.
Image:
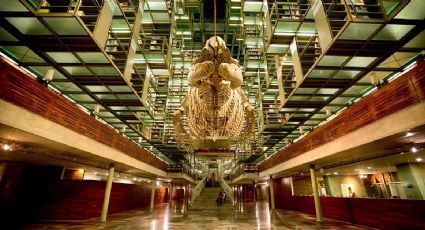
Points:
(215, 104)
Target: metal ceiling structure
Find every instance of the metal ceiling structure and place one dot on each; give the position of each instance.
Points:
(127, 61)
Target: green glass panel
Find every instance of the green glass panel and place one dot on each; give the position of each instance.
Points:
(327, 91)
(307, 27)
(360, 61)
(349, 74)
(6, 36)
(127, 97)
(105, 71)
(392, 32)
(65, 26)
(76, 70)
(13, 6)
(82, 97)
(321, 73)
(120, 89)
(359, 31)
(29, 25)
(414, 10)
(63, 57)
(66, 86)
(417, 42)
(278, 48)
(253, 6)
(161, 17)
(286, 27)
(42, 70)
(93, 57)
(96, 88)
(22, 53)
(155, 5)
(330, 60)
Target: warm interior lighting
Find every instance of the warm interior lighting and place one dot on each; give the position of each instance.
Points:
(414, 150)
(418, 159)
(6, 147)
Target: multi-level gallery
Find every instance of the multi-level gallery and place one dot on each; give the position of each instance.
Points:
(212, 114)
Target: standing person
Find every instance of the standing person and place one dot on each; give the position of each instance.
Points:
(219, 200)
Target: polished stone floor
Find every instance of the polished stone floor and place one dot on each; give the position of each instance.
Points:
(249, 216)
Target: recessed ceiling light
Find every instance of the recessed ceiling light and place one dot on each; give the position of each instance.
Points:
(414, 150)
(369, 167)
(6, 147)
(418, 159)
(335, 173)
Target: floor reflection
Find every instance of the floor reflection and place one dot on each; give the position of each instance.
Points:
(254, 216)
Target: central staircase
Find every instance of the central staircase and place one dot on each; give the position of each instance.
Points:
(207, 200)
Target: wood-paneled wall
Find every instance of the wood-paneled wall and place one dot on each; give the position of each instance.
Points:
(161, 195)
(399, 94)
(22, 90)
(376, 213)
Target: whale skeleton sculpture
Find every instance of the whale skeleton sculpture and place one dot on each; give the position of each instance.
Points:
(215, 105)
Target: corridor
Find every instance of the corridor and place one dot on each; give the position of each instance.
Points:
(249, 216)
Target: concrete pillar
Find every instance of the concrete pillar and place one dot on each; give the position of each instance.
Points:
(101, 29)
(322, 25)
(185, 195)
(296, 60)
(272, 206)
(170, 198)
(152, 197)
(134, 41)
(108, 188)
(319, 215)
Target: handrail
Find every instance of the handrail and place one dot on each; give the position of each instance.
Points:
(197, 189)
(227, 189)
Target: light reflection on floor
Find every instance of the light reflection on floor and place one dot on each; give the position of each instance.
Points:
(254, 216)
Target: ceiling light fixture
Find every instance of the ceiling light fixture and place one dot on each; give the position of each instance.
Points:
(6, 147)
(414, 150)
(418, 159)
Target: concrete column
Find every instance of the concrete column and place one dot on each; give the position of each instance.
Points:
(152, 197)
(108, 188)
(170, 198)
(185, 195)
(319, 215)
(322, 25)
(272, 206)
(134, 41)
(104, 21)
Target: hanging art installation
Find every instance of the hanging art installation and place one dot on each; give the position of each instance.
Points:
(215, 105)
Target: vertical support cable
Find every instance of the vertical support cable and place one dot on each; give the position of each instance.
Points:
(215, 20)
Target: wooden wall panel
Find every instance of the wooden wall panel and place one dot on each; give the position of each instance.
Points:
(77, 200)
(22, 90)
(397, 95)
(375, 213)
(161, 195)
(178, 195)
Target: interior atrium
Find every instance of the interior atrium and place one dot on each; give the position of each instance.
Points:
(135, 114)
